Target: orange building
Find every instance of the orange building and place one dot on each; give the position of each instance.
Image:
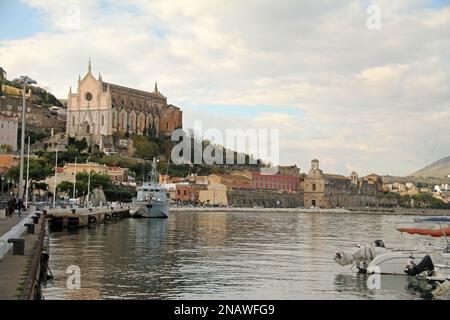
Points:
(8, 161)
(188, 192)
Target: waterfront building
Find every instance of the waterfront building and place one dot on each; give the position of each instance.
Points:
(97, 109)
(289, 170)
(279, 182)
(215, 194)
(231, 181)
(66, 173)
(171, 189)
(186, 192)
(331, 190)
(70, 169)
(8, 132)
(117, 174)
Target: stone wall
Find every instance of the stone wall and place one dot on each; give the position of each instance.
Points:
(37, 117)
(264, 198)
(350, 201)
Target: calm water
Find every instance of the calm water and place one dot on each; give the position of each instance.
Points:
(226, 256)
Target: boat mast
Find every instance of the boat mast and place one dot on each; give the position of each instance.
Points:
(153, 173)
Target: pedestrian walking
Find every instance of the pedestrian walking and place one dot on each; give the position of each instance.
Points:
(20, 206)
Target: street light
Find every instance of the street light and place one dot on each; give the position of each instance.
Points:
(23, 80)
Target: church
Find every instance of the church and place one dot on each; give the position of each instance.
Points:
(99, 109)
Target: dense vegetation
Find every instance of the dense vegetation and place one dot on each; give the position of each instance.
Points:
(423, 200)
(40, 96)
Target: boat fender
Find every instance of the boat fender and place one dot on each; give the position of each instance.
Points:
(92, 219)
(107, 216)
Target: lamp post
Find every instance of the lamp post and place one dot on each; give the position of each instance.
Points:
(24, 80)
(75, 180)
(56, 172)
(28, 174)
(89, 184)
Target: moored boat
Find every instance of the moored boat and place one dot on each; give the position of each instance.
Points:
(422, 259)
(151, 200)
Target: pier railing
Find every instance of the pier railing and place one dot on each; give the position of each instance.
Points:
(32, 282)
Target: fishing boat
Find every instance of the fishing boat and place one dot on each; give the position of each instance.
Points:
(151, 200)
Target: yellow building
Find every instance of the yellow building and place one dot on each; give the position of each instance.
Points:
(215, 193)
(69, 169)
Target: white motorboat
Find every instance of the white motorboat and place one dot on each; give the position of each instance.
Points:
(376, 258)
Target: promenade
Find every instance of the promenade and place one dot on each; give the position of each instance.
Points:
(380, 211)
(14, 268)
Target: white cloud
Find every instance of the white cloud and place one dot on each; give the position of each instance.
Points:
(372, 99)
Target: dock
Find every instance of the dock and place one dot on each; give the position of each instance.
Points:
(82, 217)
(22, 260)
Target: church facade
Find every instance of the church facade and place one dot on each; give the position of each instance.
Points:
(98, 109)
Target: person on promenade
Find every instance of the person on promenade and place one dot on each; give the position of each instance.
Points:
(20, 206)
(11, 207)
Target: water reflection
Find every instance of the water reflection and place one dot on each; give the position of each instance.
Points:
(225, 256)
(391, 286)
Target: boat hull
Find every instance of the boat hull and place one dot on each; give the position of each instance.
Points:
(394, 262)
(151, 210)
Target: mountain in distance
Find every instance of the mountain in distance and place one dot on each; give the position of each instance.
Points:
(438, 169)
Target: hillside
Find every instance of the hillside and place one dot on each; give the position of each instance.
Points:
(40, 95)
(439, 169)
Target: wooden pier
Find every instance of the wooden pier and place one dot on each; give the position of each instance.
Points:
(82, 217)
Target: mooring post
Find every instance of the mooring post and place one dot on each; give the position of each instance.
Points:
(18, 246)
(30, 228)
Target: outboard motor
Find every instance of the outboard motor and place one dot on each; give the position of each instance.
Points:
(447, 249)
(425, 265)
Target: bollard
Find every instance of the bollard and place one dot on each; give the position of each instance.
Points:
(18, 246)
(30, 228)
(35, 219)
(73, 211)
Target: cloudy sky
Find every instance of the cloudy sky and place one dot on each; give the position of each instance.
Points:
(371, 100)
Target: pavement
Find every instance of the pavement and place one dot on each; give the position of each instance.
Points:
(13, 269)
(8, 222)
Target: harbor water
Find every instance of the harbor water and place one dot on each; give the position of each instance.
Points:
(217, 255)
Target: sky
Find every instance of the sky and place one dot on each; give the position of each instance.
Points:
(356, 98)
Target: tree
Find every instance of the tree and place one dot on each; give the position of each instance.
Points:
(6, 147)
(144, 148)
(65, 186)
(81, 186)
(39, 170)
